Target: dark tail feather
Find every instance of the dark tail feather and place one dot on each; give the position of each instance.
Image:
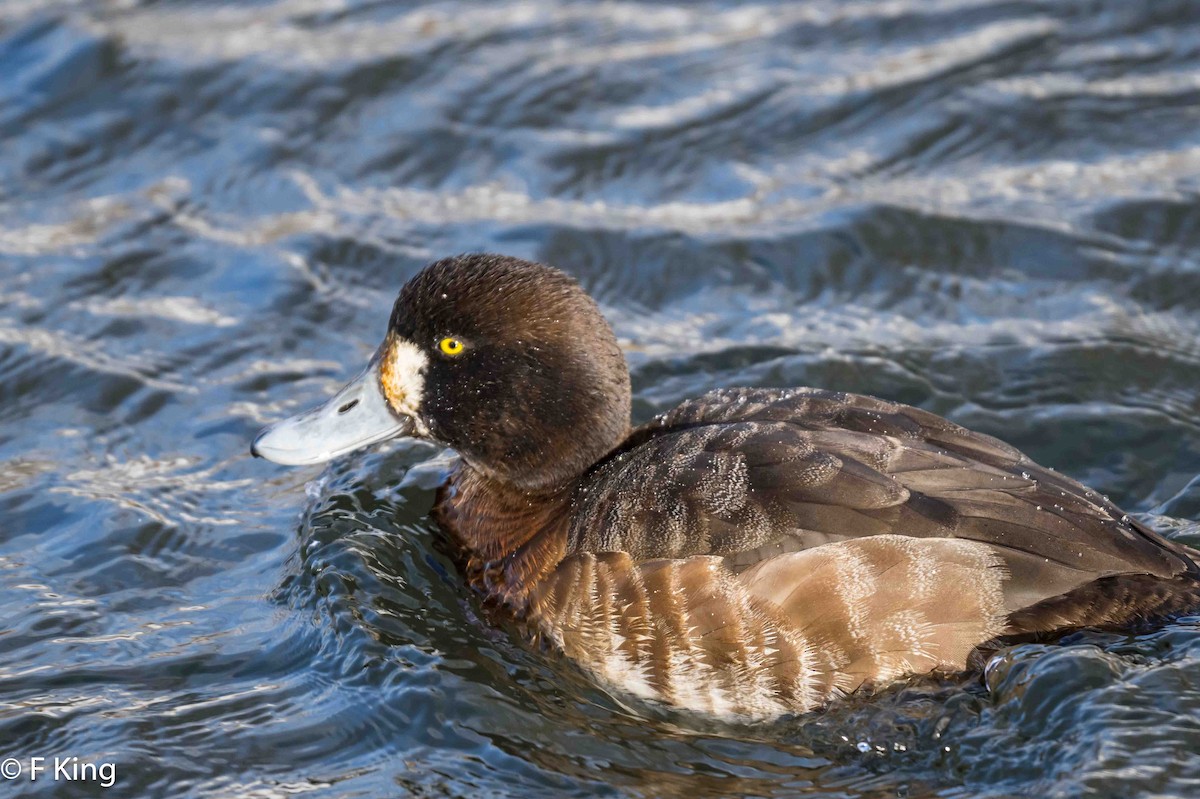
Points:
(1122, 600)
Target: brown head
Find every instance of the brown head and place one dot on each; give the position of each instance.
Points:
(506, 361)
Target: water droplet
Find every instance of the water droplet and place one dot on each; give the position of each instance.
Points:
(1039, 507)
(941, 726)
(863, 746)
(1025, 475)
(1125, 519)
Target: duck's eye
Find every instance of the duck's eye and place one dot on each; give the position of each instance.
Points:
(451, 346)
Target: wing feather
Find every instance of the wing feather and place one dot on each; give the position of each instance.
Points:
(752, 474)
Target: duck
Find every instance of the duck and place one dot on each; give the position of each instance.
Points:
(749, 554)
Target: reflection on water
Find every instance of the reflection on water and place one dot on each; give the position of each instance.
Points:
(985, 208)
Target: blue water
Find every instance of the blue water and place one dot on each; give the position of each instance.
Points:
(987, 208)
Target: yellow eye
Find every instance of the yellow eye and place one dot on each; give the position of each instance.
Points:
(451, 346)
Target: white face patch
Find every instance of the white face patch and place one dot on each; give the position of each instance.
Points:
(402, 375)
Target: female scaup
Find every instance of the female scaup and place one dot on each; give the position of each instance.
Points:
(749, 553)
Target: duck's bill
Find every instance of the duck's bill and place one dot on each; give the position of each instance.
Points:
(355, 417)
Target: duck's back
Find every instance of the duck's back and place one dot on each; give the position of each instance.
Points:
(758, 551)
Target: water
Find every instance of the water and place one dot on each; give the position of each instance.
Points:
(986, 208)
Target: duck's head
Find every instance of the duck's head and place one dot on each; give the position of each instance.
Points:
(506, 361)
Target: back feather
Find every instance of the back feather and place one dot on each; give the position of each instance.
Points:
(754, 474)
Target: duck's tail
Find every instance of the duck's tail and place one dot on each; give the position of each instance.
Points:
(1119, 601)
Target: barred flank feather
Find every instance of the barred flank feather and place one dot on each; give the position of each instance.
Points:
(783, 636)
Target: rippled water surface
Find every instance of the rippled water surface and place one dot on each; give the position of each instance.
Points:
(986, 208)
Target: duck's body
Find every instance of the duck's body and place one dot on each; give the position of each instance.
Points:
(754, 551)
(742, 555)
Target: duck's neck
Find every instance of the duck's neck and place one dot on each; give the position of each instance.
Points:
(507, 538)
